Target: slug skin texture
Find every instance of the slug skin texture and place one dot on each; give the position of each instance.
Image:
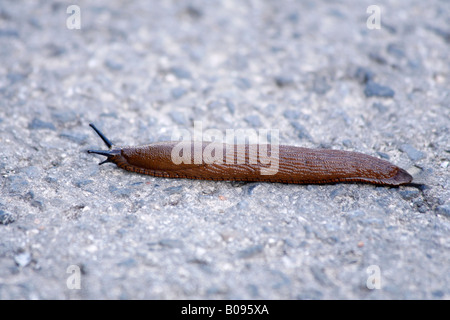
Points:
(287, 164)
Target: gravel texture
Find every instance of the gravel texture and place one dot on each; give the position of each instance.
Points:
(139, 70)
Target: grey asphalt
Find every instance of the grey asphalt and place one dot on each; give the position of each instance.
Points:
(139, 70)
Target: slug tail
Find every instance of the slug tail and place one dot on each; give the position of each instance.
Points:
(402, 177)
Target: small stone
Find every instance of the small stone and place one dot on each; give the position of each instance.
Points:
(276, 49)
(4, 15)
(128, 263)
(15, 77)
(109, 114)
(113, 65)
(374, 222)
(230, 105)
(194, 12)
(356, 214)
(296, 34)
(38, 203)
(396, 50)
(421, 206)
(438, 294)
(251, 187)
(347, 143)
(22, 259)
(6, 218)
(320, 85)
(214, 105)
(390, 28)
(37, 124)
(17, 184)
(336, 192)
(412, 152)
(76, 137)
(441, 33)
(174, 199)
(310, 294)
(171, 243)
(380, 107)
(250, 252)
(301, 132)
(180, 73)
(9, 33)
(408, 194)
(82, 183)
(363, 75)
(292, 114)
(270, 109)
(178, 92)
(32, 172)
(119, 206)
(51, 179)
(292, 17)
(242, 205)
(443, 210)
(377, 58)
(383, 155)
(283, 81)
(55, 50)
(280, 279)
(173, 190)
(374, 89)
(383, 202)
(239, 61)
(64, 117)
(253, 290)
(253, 121)
(120, 192)
(320, 276)
(178, 118)
(243, 83)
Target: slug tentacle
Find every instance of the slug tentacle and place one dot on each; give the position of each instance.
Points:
(104, 138)
(110, 154)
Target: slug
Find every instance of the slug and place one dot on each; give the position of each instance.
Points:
(250, 162)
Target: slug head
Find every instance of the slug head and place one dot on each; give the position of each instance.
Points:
(110, 154)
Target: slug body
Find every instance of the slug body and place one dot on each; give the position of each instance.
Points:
(287, 164)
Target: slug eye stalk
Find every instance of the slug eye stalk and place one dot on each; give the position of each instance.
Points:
(104, 138)
(109, 154)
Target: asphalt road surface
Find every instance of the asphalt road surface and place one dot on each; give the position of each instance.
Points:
(323, 74)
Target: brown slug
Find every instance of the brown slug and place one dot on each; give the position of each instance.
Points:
(285, 164)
